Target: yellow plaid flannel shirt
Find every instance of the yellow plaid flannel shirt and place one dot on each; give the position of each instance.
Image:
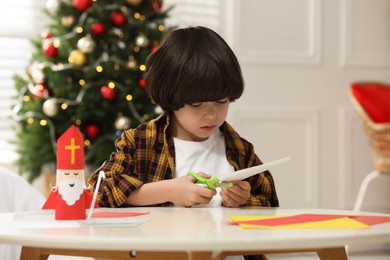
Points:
(146, 154)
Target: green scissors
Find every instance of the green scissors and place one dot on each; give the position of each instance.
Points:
(211, 183)
(222, 180)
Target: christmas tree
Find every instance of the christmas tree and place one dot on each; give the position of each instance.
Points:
(86, 70)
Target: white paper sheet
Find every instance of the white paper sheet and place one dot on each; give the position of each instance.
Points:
(45, 219)
(248, 172)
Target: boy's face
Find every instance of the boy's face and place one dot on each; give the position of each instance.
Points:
(196, 122)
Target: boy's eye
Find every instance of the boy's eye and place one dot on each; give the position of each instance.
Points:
(196, 104)
(222, 101)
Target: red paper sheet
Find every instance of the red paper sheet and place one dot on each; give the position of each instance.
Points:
(371, 220)
(305, 218)
(296, 219)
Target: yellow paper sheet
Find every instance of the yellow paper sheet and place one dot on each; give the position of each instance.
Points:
(333, 223)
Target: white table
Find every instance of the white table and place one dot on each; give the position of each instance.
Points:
(186, 233)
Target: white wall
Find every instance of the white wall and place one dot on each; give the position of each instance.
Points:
(298, 59)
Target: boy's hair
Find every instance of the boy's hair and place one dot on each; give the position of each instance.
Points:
(192, 65)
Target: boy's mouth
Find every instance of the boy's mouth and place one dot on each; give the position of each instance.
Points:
(208, 128)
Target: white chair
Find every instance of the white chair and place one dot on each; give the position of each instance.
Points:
(16, 195)
(371, 101)
(364, 187)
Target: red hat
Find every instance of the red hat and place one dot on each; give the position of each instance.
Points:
(70, 150)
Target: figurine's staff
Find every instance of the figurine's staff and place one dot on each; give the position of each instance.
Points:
(101, 176)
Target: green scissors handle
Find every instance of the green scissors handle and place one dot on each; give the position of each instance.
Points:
(211, 183)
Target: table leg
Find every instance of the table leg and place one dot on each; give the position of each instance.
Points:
(31, 253)
(337, 253)
(200, 255)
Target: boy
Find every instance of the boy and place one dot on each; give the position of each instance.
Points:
(193, 76)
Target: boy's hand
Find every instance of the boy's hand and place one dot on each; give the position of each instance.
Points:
(236, 195)
(185, 193)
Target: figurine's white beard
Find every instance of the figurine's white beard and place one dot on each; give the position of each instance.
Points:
(70, 194)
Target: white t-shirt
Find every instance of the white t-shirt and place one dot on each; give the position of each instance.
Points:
(208, 156)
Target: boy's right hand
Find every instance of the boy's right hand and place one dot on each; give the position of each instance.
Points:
(185, 193)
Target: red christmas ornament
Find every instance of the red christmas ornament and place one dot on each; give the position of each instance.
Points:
(49, 49)
(40, 91)
(45, 34)
(107, 92)
(82, 5)
(141, 83)
(92, 131)
(118, 18)
(154, 48)
(98, 28)
(156, 5)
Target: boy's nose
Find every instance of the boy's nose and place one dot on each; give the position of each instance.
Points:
(210, 111)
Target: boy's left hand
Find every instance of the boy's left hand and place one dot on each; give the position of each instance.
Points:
(236, 195)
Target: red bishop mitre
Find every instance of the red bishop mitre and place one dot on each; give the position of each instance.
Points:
(70, 150)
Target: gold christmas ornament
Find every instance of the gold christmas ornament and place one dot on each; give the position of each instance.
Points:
(67, 21)
(134, 2)
(77, 58)
(132, 63)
